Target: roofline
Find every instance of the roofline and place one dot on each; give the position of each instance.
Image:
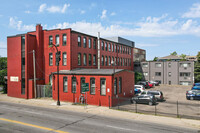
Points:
(100, 38)
(18, 35)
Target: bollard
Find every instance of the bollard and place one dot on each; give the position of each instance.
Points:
(177, 110)
(155, 110)
(135, 107)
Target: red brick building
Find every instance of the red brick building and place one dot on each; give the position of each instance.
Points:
(79, 58)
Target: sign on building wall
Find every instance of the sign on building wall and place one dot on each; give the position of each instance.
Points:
(85, 87)
(14, 79)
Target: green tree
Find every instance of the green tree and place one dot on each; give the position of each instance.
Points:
(155, 59)
(138, 76)
(174, 53)
(3, 69)
(183, 56)
(197, 69)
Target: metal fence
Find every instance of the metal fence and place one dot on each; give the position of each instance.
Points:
(164, 108)
(44, 91)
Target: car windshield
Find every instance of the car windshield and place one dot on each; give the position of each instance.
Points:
(153, 93)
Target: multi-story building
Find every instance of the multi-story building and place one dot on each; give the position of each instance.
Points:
(84, 59)
(168, 72)
(139, 55)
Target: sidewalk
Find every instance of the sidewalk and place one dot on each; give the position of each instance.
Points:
(104, 111)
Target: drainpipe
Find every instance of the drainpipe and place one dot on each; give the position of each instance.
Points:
(98, 50)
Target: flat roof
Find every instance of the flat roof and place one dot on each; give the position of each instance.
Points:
(91, 71)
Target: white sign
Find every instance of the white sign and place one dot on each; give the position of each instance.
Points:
(14, 79)
(108, 90)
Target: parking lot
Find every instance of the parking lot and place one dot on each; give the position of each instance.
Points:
(175, 103)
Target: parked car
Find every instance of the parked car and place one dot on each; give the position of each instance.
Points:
(137, 91)
(193, 95)
(158, 94)
(144, 83)
(150, 85)
(154, 82)
(140, 87)
(147, 99)
(196, 84)
(195, 88)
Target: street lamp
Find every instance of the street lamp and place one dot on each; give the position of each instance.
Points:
(57, 63)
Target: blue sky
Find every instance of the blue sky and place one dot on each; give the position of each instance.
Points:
(158, 26)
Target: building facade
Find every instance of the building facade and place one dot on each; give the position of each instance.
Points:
(77, 51)
(168, 72)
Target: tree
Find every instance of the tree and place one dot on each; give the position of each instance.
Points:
(174, 53)
(138, 76)
(3, 69)
(183, 56)
(197, 69)
(155, 59)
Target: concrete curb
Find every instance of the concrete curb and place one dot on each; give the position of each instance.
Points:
(104, 111)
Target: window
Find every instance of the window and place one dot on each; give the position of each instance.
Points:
(92, 86)
(115, 61)
(106, 46)
(184, 74)
(64, 61)
(84, 42)
(64, 39)
(73, 84)
(120, 85)
(169, 74)
(82, 81)
(169, 64)
(50, 40)
(103, 86)
(144, 64)
(94, 44)
(112, 61)
(185, 65)
(84, 59)
(51, 80)
(109, 47)
(121, 61)
(118, 61)
(115, 48)
(102, 45)
(170, 82)
(121, 49)
(23, 61)
(115, 86)
(57, 40)
(23, 86)
(112, 47)
(157, 73)
(185, 83)
(79, 59)
(90, 59)
(109, 61)
(89, 43)
(65, 84)
(118, 48)
(94, 60)
(158, 65)
(79, 41)
(145, 73)
(50, 59)
(106, 61)
(102, 60)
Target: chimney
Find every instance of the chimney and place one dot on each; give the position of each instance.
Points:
(99, 63)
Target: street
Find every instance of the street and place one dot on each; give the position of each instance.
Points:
(17, 118)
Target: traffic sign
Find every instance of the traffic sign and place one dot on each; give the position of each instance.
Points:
(85, 87)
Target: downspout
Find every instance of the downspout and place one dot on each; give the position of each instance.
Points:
(98, 50)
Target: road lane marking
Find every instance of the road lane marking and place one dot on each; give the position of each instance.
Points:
(121, 128)
(31, 125)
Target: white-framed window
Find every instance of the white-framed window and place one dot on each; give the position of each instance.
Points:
(144, 64)
(109, 47)
(65, 84)
(57, 40)
(103, 86)
(92, 86)
(94, 60)
(115, 86)
(157, 73)
(145, 73)
(50, 59)
(64, 61)
(64, 39)
(84, 42)
(89, 43)
(79, 41)
(169, 74)
(79, 59)
(84, 59)
(158, 65)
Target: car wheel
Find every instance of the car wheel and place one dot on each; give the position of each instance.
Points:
(191, 98)
(150, 103)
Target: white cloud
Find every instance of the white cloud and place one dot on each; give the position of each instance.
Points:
(27, 12)
(53, 9)
(92, 5)
(148, 27)
(194, 11)
(14, 23)
(113, 14)
(42, 7)
(82, 12)
(146, 45)
(103, 15)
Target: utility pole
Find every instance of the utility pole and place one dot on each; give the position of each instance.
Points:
(34, 71)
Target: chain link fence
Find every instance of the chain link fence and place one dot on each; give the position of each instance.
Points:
(44, 91)
(164, 108)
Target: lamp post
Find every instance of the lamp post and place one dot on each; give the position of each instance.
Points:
(57, 63)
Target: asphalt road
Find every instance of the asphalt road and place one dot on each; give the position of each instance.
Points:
(17, 118)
